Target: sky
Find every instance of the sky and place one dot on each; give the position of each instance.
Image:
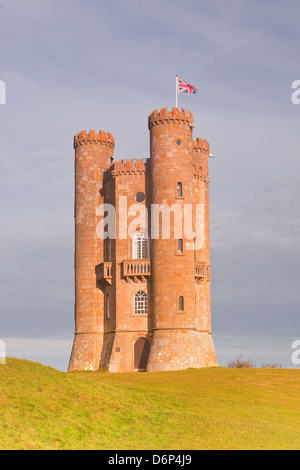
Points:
(72, 65)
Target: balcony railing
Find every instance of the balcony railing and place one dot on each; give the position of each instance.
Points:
(140, 269)
(201, 270)
(104, 272)
(136, 269)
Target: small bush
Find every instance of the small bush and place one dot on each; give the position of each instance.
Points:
(271, 366)
(240, 363)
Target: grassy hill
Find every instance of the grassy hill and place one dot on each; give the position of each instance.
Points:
(217, 408)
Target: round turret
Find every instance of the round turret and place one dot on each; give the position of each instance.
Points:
(93, 155)
(173, 280)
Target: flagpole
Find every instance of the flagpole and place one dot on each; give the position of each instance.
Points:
(176, 90)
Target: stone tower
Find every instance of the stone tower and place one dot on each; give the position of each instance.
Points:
(93, 155)
(142, 299)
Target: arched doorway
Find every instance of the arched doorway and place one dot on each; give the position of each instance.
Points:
(141, 353)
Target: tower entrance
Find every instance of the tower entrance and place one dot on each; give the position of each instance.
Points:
(141, 353)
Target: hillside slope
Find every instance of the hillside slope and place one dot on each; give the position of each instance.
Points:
(217, 408)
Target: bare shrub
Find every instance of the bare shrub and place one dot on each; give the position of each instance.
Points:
(240, 363)
(271, 366)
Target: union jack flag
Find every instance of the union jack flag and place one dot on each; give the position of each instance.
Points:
(184, 87)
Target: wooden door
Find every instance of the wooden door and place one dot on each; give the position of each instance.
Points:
(141, 353)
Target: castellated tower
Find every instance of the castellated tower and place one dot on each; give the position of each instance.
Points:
(142, 295)
(93, 155)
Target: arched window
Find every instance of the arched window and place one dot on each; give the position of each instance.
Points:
(181, 304)
(140, 246)
(107, 306)
(140, 303)
(179, 189)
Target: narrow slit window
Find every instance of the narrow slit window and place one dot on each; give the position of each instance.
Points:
(109, 250)
(181, 304)
(180, 245)
(179, 189)
(107, 307)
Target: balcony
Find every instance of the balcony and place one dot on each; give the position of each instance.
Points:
(140, 269)
(136, 269)
(104, 273)
(201, 270)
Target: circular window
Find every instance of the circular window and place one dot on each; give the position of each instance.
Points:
(140, 197)
(178, 142)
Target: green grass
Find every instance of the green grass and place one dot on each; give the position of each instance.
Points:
(217, 408)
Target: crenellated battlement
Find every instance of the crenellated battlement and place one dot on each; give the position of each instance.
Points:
(164, 116)
(197, 172)
(201, 145)
(103, 138)
(129, 167)
(199, 175)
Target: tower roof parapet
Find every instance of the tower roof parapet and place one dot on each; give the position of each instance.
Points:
(164, 116)
(130, 167)
(201, 144)
(103, 138)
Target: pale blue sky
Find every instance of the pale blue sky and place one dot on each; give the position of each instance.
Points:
(74, 65)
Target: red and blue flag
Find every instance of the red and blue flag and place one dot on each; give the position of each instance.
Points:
(185, 87)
